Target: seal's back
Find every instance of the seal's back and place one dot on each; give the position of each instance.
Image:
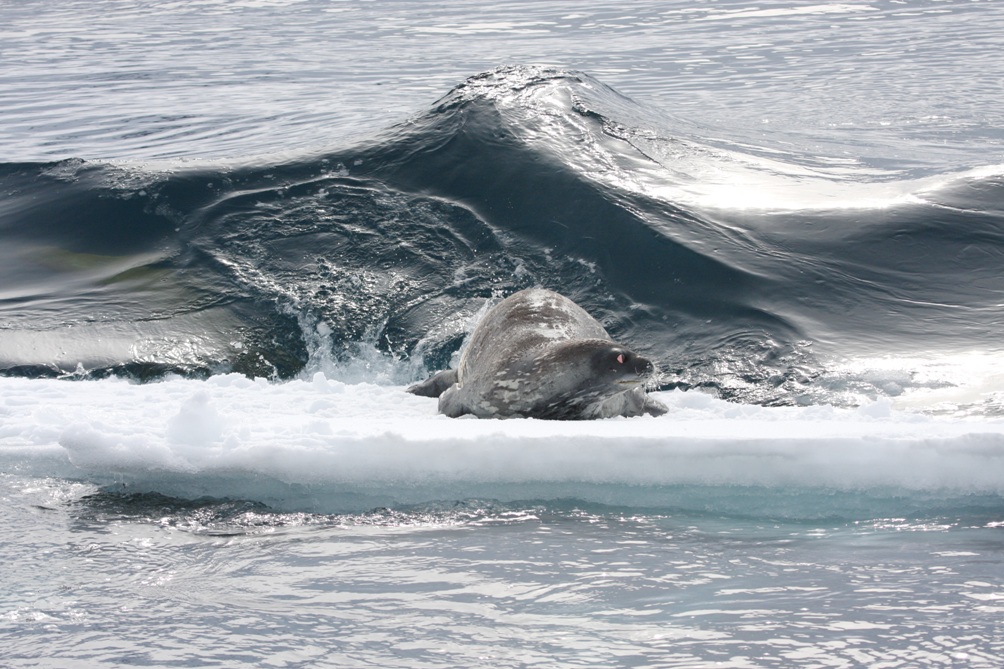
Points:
(522, 323)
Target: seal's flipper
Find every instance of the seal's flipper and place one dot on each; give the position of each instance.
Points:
(451, 402)
(629, 403)
(654, 407)
(435, 385)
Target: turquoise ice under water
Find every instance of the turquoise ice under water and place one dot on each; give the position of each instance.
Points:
(107, 580)
(718, 535)
(273, 187)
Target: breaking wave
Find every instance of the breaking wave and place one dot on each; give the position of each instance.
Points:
(741, 270)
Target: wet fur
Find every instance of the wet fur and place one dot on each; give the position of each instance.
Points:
(537, 354)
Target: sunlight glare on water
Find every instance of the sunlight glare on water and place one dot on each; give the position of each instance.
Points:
(514, 586)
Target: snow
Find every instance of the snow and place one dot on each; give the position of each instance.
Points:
(364, 444)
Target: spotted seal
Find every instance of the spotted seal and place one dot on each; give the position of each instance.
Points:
(537, 354)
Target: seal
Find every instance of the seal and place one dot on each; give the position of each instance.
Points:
(537, 354)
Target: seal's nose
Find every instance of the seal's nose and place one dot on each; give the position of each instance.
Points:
(643, 367)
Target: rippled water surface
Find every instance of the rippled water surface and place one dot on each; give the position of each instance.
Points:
(220, 79)
(153, 582)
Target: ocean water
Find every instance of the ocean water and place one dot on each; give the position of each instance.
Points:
(233, 232)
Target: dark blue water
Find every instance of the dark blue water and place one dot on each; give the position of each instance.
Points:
(520, 176)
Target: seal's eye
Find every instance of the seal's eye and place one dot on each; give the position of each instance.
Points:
(620, 358)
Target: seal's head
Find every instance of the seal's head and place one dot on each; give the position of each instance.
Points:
(574, 379)
(619, 366)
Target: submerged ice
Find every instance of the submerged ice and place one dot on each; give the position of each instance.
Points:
(323, 445)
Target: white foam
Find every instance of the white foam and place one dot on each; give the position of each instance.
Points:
(231, 436)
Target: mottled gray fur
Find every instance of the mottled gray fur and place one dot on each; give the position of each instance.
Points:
(537, 354)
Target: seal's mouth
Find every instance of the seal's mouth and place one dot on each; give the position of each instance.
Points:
(644, 374)
(638, 374)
